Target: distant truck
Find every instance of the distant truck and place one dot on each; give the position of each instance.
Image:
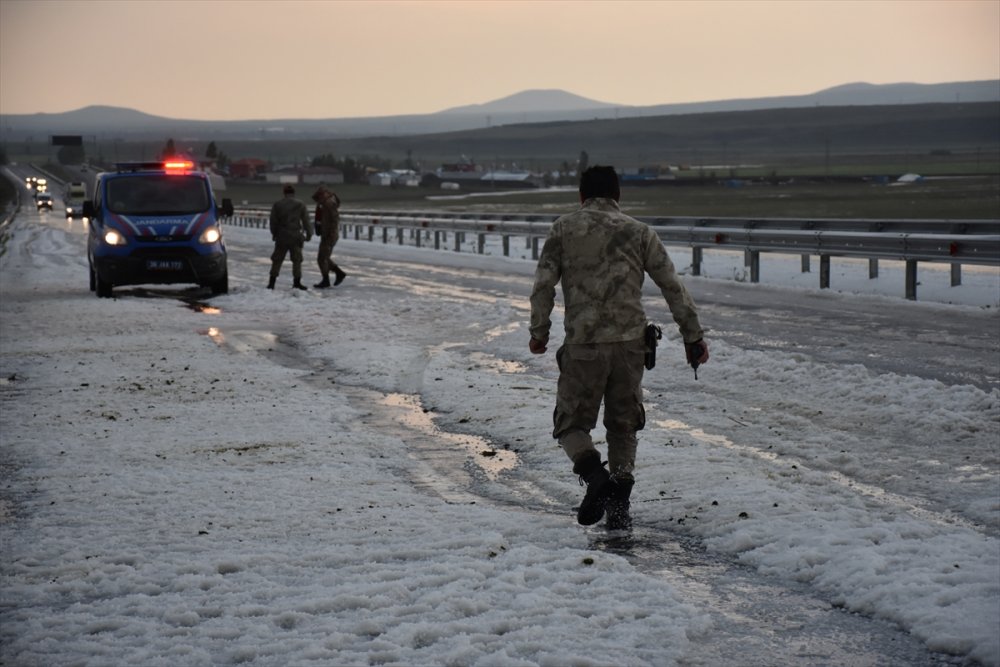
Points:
(76, 193)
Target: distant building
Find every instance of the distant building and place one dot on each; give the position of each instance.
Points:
(464, 171)
(646, 174)
(282, 177)
(509, 179)
(304, 176)
(467, 173)
(395, 178)
(324, 175)
(247, 167)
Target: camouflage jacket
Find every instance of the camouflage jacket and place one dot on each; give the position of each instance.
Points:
(328, 220)
(290, 221)
(601, 257)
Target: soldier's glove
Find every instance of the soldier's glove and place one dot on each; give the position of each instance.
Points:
(653, 334)
(537, 346)
(697, 354)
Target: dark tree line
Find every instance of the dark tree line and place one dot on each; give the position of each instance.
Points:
(354, 170)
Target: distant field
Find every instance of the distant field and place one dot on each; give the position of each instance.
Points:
(973, 198)
(785, 153)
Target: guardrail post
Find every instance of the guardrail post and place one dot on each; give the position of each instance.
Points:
(746, 258)
(754, 266)
(371, 233)
(696, 256)
(956, 275)
(417, 239)
(437, 240)
(399, 235)
(534, 247)
(458, 241)
(385, 235)
(481, 243)
(872, 268)
(824, 272)
(506, 245)
(805, 264)
(911, 279)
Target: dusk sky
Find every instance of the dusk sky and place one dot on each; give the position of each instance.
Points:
(257, 59)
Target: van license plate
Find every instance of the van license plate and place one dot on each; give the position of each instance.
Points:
(164, 265)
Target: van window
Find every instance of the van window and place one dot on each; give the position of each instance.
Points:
(157, 195)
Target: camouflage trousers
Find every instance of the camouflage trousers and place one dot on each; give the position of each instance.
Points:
(590, 374)
(278, 257)
(324, 259)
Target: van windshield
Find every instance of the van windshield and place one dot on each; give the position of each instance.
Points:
(157, 195)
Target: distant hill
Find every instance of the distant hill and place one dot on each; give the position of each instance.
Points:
(727, 137)
(531, 101)
(531, 106)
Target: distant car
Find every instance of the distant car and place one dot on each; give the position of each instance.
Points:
(43, 200)
(74, 209)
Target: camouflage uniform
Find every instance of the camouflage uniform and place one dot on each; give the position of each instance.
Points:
(290, 229)
(601, 256)
(328, 228)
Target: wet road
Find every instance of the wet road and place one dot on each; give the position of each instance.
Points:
(758, 619)
(950, 345)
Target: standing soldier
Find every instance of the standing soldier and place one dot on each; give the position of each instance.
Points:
(601, 257)
(290, 229)
(328, 228)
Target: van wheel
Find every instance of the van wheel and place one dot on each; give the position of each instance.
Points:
(103, 287)
(222, 285)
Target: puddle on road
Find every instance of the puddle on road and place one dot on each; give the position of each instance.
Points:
(407, 411)
(202, 307)
(402, 415)
(496, 364)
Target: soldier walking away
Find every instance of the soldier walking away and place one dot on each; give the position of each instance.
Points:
(328, 229)
(600, 256)
(290, 230)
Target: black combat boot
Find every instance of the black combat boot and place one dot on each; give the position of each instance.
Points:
(599, 485)
(322, 284)
(340, 277)
(618, 505)
(298, 285)
(270, 282)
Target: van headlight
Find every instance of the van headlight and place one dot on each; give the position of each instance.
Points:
(111, 237)
(210, 235)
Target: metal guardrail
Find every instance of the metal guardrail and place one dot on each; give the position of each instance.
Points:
(953, 242)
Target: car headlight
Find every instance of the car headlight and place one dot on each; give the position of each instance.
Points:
(69, 209)
(210, 235)
(111, 237)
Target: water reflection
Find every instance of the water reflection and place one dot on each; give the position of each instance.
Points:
(407, 410)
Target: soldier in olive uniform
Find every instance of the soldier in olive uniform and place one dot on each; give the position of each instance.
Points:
(290, 229)
(601, 256)
(328, 229)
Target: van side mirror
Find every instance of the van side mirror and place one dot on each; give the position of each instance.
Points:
(227, 208)
(89, 210)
